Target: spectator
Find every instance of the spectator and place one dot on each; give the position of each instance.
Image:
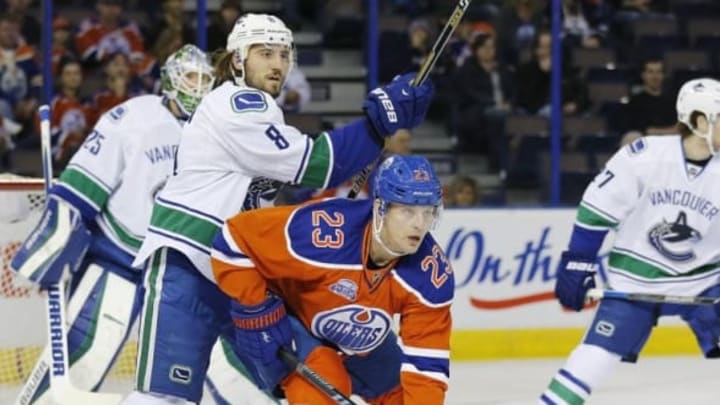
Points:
(168, 33)
(421, 36)
(576, 27)
(629, 12)
(61, 46)
(517, 30)
(483, 93)
(295, 93)
(20, 78)
(534, 94)
(70, 114)
(219, 29)
(109, 33)
(30, 27)
(462, 192)
(120, 84)
(651, 110)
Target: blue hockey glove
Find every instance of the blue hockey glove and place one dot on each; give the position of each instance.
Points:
(58, 242)
(575, 276)
(260, 331)
(398, 105)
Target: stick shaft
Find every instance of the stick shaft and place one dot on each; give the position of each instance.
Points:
(315, 379)
(597, 293)
(432, 57)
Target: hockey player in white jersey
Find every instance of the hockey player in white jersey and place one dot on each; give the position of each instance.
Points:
(661, 195)
(234, 152)
(106, 193)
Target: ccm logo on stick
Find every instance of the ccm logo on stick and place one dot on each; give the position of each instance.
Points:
(387, 104)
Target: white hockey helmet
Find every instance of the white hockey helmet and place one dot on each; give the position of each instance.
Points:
(251, 29)
(179, 85)
(702, 96)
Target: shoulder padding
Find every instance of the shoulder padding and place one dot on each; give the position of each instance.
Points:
(427, 274)
(329, 232)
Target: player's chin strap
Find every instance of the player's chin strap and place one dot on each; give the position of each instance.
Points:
(708, 136)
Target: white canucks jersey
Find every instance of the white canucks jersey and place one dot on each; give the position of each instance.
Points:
(665, 212)
(121, 166)
(234, 144)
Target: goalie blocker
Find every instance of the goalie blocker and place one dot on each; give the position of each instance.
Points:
(58, 241)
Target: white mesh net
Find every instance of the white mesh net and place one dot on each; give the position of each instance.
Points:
(21, 306)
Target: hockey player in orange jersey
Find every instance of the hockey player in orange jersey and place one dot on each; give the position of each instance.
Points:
(325, 279)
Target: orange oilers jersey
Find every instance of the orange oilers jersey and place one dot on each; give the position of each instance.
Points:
(314, 256)
(69, 123)
(96, 42)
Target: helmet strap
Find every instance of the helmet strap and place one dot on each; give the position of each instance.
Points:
(708, 136)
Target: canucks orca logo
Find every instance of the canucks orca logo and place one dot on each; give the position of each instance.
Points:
(353, 328)
(261, 193)
(674, 240)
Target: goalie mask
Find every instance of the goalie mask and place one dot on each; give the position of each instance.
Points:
(252, 29)
(410, 181)
(702, 96)
(187, 77)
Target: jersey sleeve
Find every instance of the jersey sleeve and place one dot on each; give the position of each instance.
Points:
(242, 260)
(614, 192)
(96, 168)
(425, 326)
(255, 134)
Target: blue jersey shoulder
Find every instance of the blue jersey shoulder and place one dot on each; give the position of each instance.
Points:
(329, 232)
(428, 274)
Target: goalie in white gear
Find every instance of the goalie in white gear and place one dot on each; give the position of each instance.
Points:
(660, 194)
(234, 154)
(102, 203)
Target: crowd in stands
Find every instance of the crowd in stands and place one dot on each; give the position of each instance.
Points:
(622, 63)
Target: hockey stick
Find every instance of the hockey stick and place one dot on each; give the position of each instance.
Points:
(359, 180)
(61, 391)
(315, 378)
(598, 293)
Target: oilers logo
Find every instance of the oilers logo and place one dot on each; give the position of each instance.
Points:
(674, 240)
(353, 328)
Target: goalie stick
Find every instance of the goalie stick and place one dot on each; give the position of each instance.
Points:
(598, 293)
(55, 355)
(360, 179)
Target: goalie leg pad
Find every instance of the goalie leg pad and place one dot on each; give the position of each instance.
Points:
(227, 378)
(101, 312)
(59, 240)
